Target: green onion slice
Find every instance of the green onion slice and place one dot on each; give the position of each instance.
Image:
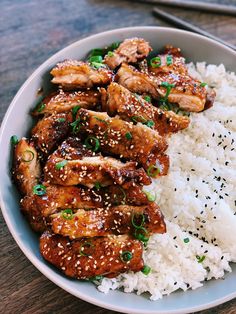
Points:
(155, 62)
(150, 123)
(147, 98)
(61, 164)
(85, 245)
(150, 196)
(115, 45)
(74, 111)
(40, 107)
(67, 214)
(14, 140)
(146, 270)
(141, 234)
(137, 218)
(92, 143)
(97, 59)
(39, 189)
(203, 84)
(153, 171)
(186, 240)
(97, 186)
(27, 156)
(61, 120)
(200, 258)
(120, 199)
(128, 135)
(110, 54)
(169, 60)
(137, 119)
(168, 87)
(101, 120)
(96, 52)
(98, 65)
(96, 278)
(126, 256)
(76, 125)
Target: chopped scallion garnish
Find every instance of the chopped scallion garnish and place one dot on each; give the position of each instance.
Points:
(137, 220)
(110, 54)
(97, 185)
(137, 119)
(39, 189)
(149, 123)
(203, 84)
(96, 278)
(97, 59)
(126, 256)
(85, 245)
(74, 111)
(153, 171)
(146, 270)
(150, 196)
(155, 62)
(40, 107)
(61, 120)
(14, 140)
(186, 240)
(76, 125)
(128, 135)
(168, 87)
(98, 65)
(92, 143)
(61, 164)
(200, 259)
(67, 214)
(141, 234)
(27, 156)
(169, 60)
(101, 120)
(147, 98)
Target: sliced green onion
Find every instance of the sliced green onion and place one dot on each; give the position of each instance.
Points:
(97, 186)
(165, 106)
(126, 256)
(96, 52)
(147, 98)
(39, 189)
(119, 200)
(128, 135)
(137, 119)
(97, 65)
(97, 59)
(141, 234)
(149, 123)
(203, 84)
(74, 111)
(186, 240)
(61, 120)
(155, 62)
(146, 270)
(169, 60)
(137, 217)
(101, 120)
(27, 156)
(40, 107)
(110, 54)
(76, 125)
(96, 278)
(67, 214)
(14, 140)
(115, 45)
(61, 164)
(83, 246)
(168, 87)
(153, 171)
(200, 258)
(150, 196)
(92, 143)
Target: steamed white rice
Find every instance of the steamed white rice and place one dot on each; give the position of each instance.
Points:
(197, 198)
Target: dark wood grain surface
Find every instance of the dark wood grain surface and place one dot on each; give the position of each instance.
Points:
(31, 31)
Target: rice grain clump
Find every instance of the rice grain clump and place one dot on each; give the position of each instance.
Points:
(197, 197)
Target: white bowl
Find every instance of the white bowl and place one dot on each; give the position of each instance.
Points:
(18, 121)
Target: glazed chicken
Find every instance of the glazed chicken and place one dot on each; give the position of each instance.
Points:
(184, 90)
(26, 169)
(88, 201)
(87, 258)
(64, 101)
(73, 74)
(130, 50)
(117, 137)
(38, 209)
(119, 100)
(74, 164)
(102, 222)
(50, 131)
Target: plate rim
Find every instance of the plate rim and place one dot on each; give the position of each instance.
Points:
(34, 260)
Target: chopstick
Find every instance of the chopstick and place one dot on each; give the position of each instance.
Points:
(196, 5)
(187, 26)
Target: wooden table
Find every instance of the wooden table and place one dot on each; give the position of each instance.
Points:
(31, 31)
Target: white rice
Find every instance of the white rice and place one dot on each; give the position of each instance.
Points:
(206, 154)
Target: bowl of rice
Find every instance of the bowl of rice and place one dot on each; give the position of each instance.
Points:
(193, 264)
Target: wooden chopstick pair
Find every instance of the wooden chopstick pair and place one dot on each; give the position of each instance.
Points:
(207, 7)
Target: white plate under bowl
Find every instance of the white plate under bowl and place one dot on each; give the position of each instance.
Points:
(18, 121)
